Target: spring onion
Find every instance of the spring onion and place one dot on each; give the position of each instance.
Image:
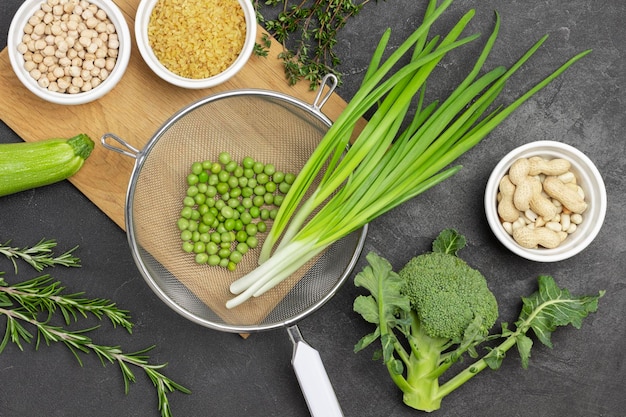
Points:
(393, 158)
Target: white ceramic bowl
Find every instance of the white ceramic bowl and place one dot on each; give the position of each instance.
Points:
(588, 177)
(16, 32)
(142, 19)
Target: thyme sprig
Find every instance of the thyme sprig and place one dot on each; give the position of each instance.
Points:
(307, 30)
(35, 301)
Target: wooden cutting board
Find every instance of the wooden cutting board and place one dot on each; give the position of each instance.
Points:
(134, 110)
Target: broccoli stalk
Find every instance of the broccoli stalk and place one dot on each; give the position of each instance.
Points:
(437, 309)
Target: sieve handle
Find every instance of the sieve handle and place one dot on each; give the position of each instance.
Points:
(312, 377)
(128, 149)
(322, 97)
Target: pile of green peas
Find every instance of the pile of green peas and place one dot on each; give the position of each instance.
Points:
(227, 205)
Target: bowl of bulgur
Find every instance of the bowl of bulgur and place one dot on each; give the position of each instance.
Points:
(195, 44)
(69, 51)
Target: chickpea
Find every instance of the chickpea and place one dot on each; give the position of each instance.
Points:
(69, 46)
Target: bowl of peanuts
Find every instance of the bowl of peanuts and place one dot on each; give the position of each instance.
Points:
(198, 44)
(545, 201)
(69, 51)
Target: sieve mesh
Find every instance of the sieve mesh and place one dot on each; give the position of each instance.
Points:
(268, 127)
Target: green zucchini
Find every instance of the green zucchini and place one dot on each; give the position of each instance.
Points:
(28, 165)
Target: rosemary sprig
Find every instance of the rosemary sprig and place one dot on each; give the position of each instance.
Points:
(307, 30)
(40, 255)
(23, 303)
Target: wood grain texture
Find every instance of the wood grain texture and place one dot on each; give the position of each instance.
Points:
(134, 111)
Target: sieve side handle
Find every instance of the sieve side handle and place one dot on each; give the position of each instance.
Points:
(312, 377)
(126, 149)
(322, 97)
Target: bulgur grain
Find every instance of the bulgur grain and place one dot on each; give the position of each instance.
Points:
(197, 38)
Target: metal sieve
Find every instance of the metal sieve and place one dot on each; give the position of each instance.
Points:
(270, 127)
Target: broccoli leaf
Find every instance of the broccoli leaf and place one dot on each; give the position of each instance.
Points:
(449, 241)
(384, 286)
(551, 307)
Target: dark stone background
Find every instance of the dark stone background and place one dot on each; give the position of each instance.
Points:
(584, 375)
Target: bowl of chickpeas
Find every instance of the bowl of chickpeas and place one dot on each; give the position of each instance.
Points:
(545, 201)
(69, 51)
(198, 44)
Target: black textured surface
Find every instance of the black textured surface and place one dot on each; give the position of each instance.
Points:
(583, 376)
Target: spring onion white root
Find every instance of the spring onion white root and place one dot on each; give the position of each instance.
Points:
(393, 158)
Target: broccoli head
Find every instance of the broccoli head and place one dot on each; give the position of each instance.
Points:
(448, 295)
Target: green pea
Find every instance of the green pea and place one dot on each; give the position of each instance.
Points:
(199, 247)
(195, 215)
(231, 265)
(213, 180)
(192, 179)
(223, 253)
(229, 224)
(278, 200)
(278, 177)
(202, 258)
(183, 223)
(206, 165)
(258, 167)
(258, 201)
(227, 212)
(290, 178)
(235, 257)
(242, 248)
(192, 191)
(216, 237)
(248, 173)
(222, 188)
(273, 213)
(186, 212)
(269, 169)
(211, 248)
(247, 162)
(268, 198)
(186, 235)
(188, 247)
(252, 242)
(196, 168)
(270, 187)
(235, 192)
(284, 187)
(211, 191)
(189, 201)
(252, 183)
(193, 226)
(247, 192)
(203, 228)
(195, 236)
(259, 190)
(262, 178)
(205, 237)
(255, 212)
(231, 166)
(224, 262)
(251, 229)
(214, 260)
(219, 204)
(200, 198)
(261, 227)
(246, 218)
(238, 225)
(241, 236)
(216, 168)
(203, 177)
(243, 181)
(224, 158)
(238, 171)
